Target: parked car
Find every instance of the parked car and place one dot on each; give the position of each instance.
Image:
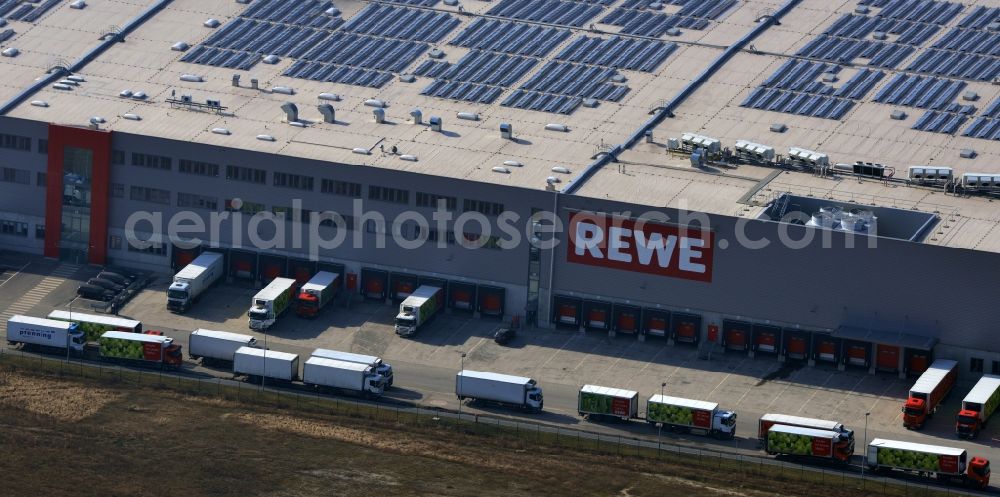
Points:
(504, 335)
(105, 284)
(115, 277)
(93, 292)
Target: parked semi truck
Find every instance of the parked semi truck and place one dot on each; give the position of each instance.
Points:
(192, 281)
(48, 335)
(319, 291)
(140, 348)
(691, 415)
(258, 364)
(597, 402)
(422, 305)
(93, 326)
(270, 303)
(927, 393)
(978, 406)
(513, 391)
(766, 421)
(943, 463)
(806, 442)
(343, 376)
(381, 367)
(217, 347)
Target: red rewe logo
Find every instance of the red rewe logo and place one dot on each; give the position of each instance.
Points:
(677, 252)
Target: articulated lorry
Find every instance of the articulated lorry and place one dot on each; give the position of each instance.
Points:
(381, 367)
(513, 391)
(140, 348)
(343, 376)
(806, 442)
(192, 281)
(422, 305)
(270, 303)
(47, 335)
(93, 326)
(596, 402)
(978, 406)
(319, 291)
(927, 393)
(257, 364)
(217, 347)
(766, 421)
(697, 416)
(944, 463)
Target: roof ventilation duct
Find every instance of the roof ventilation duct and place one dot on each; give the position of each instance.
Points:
(378, 115)
(468, 116)
(506, 131)
(191, 78)
(435, 123)
(291, 112)
(329, 115)
(556, 127)
(329, 96)
(417, 116)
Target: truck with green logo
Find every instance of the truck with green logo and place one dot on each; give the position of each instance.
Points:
(93, 325)
(417, 309)
(122, 346)
(805, 442)
(978, 406)
(270, 303)
(695, 416)
(943, 463)
(596, 402)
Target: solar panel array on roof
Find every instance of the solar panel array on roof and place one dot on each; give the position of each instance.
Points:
(365, 51)
(530, 100)
(980, 17)
(794, 88)
(845, 50)
(459, 90)
(302, 13)
(993, 110)
(970, 41)
(431, 68)
(957, 64)
(416, 3)
(25, 11)
(548, 11)
(923, 92)
(652, 24)
(982, 127)
(803, 104)
(510, 37)
(859, 27)
(337, 74)
(561, 86)
(479, 76)
(618, 52)
(401, 23)
(929, 11)
(940, 122)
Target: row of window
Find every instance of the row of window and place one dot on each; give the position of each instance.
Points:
(976, 366)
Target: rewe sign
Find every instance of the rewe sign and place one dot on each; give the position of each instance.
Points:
(677, 252)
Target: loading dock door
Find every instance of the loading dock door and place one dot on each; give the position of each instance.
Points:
(462, 296)
(687, 327)
(597, 315)
(626, 319)
(827, 349)
(766, 338)
(567, 311)
(656, 322)
(183, 257)
(735, 335)
(402, 285)
(374, 283)
(918, 361)
(857, 354)
(243, 265)
(798, 347)
(887, 357)
(491, 299)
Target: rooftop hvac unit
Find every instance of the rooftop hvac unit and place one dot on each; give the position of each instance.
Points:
(693, 141)
(810, 157)
(870, 169)
(755, 150)
(821, 220)
(924, 174)
(981, 180)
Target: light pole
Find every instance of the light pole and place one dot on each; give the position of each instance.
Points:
(659, 426)
(865, 447)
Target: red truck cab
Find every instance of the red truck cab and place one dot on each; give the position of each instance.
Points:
(979, 472)
(967, 424)
(173, 356)
(308, 305)
(914, 412)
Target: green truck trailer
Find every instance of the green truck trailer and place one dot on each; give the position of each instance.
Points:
(93, 326)
(422, 305)
(603, 402)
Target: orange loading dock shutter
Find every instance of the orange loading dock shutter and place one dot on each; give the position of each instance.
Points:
(827, 351)
(657, 326)
(797, 347)
(567, 314)
(686, 332)
(888, 357)
(463, 299)
(491, 304)
(598, 318)
(767, 341)
(404, 289)
(918, 363)
(736, 339)
(627, 322)
(374, 288)
(857, 355)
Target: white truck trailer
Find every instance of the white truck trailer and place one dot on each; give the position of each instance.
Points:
(217, 347)
(597, 402)
(417, 309)
(343, 376)
(319, 291)
(978, 406)
(270, 303)
(697, 416)
(47, 335)
(943, 463)
(381, 367)
(514, 391)
(192, 281)
(258, 364)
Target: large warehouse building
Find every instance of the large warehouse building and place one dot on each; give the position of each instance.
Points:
(682, 146)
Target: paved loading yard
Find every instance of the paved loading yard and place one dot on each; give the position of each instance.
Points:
(561, 361)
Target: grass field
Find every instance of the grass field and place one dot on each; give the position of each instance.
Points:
(73, 436)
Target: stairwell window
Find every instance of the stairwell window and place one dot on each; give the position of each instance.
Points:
(15, 228)
(15, 142)
(975, 365)
(296, 181)
(386, 194)
(152, 161)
